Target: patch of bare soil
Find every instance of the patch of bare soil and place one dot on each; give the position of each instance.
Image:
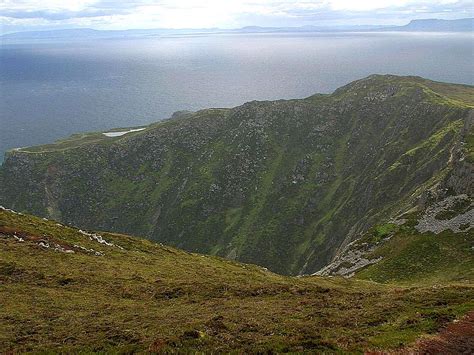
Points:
(456, 338)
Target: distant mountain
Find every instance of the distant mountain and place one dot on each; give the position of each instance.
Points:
(283, 184)
(67, 33)
(461, 25)
(434, 25)
(84, 33)
(259, 29)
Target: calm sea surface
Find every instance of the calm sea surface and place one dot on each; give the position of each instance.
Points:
(50, 90)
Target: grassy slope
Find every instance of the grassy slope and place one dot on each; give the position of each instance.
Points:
(460, 93)
(422, 258)
(77, 140)
(147, 296)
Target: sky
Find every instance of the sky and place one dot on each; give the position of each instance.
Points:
(24, 15)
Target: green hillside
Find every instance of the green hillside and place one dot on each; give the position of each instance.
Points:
(424, 258)
(66, 290)
(283, 184)
(401, 254)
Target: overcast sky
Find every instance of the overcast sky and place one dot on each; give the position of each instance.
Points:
(21, 15)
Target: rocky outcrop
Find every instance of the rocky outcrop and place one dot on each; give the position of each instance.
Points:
(455, 213)
(353, 258)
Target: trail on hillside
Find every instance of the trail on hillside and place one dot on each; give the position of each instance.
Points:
(456, 338)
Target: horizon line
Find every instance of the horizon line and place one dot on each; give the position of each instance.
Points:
(233, 28)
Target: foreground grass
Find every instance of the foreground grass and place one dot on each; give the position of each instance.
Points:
(140, 296)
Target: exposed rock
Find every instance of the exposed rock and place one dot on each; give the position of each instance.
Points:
(455, 213)
(98, 238)
(352, 258)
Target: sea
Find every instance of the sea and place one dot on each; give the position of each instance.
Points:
(51, 89)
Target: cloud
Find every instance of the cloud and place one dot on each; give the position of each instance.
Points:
(220, 13)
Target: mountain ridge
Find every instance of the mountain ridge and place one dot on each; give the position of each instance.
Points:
(466, 24)
(283, 184)
(423, 25)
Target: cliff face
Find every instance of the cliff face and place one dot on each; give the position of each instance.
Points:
(282, 184)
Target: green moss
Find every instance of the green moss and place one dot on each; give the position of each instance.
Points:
(395, 166)
(436, 138)
(259, 199)
(385, 229)
(469, 147)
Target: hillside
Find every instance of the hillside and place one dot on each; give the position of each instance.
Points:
(403, 251)
(282, 184)
(67, 290)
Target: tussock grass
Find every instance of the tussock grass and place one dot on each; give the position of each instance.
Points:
(147, 297)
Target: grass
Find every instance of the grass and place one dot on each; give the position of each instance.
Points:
(460, 93)
(148, 297)
(75, 141)
(410, 257)
(436, 138)
(469, 146)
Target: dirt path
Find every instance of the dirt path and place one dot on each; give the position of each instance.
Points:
(456, 338)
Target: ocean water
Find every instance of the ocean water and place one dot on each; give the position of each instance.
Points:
(50, 90)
